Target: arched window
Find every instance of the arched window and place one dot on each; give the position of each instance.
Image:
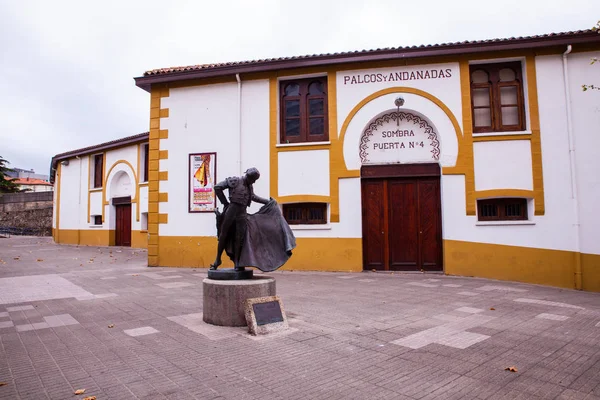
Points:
(497, 97)
(303, 113)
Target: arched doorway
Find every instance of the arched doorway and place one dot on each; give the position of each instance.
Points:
(121, 190)
(400, 191)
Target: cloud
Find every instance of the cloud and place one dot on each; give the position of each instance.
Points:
(68, 66)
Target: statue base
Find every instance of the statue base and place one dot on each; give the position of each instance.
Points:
(224, 301)
(230, 274)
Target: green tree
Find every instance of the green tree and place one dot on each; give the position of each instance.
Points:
(593, 60)
(6, 183)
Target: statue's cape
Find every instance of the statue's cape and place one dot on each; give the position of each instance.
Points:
(268, 242)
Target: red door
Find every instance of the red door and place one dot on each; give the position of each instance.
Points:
(402, 222)
(374, 238)
(123, 225)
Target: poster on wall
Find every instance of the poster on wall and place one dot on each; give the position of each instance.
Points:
(203, 175)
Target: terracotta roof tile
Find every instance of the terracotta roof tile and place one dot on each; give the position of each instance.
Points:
(473, 43)
(31, 181)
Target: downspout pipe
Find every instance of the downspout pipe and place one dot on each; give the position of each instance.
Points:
(239, 81)
(573, 168)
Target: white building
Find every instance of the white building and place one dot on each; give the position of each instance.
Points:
(101, 194)
(473, 158)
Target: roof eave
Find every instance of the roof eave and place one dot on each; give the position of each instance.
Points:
(146, 82)
(90, 150)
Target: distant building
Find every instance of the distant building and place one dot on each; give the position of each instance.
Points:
(26, 173)
(34, 185)
(457, 157)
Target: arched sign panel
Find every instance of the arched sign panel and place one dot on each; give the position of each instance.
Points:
(399, 137)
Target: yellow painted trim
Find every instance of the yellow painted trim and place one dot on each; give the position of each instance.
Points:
(58, 180)
(351, 173)
(137, 186)
(536, 139)
(157, 93)
(105, 202)
(143, 184)
(291, 147)
(103, 183)
(590, 272)
(99, 237)
(485, 194)
(163, 176)
(163, 197)
(163, 218)
(500, 138)
(336, 155)
(521, 264)
(403, 89)
(311, 254)
(89, 194)
(303, 198)
(467, 162)
(273, 153)
(163, 154)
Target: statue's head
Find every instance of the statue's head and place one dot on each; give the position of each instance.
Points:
(252, 175)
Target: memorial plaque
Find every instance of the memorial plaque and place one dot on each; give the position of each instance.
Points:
(267, 313)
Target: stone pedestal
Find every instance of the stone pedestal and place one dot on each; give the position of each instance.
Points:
(224, 300)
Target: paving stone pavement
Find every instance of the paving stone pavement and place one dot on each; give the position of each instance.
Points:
(97, 318)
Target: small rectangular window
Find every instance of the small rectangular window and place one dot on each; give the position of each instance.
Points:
(97, 219)
(144, 221)
(502, 209)
(305, 213)
(145, 156)
(98, 173)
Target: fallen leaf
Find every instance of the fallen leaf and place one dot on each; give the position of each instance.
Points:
(511, 369)
(373, 270)
(40, 259)
(79, 391)
(16, 258)
(90, 398)
(3, 383)
(492, 308)
(111, 326)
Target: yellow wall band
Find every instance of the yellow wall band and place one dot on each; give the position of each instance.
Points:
(536, 139)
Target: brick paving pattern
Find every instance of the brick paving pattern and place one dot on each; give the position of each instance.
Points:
(98, 319)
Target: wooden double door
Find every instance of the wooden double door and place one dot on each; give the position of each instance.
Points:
(401, 215)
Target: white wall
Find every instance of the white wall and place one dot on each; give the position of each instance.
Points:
(586, 127)
(350, 225)
(74, 190)
(503, 165)
(73, 196)
(555, 229)
(304, 172)
(205, 119)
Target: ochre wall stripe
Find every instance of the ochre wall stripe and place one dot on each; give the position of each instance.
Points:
(158, 92)
(536, 139)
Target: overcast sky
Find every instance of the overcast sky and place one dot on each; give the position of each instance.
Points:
(67, 67)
